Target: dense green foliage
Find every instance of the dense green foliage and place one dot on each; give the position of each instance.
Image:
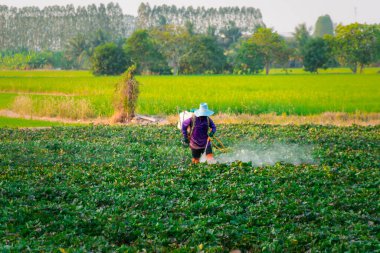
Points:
(356, 45)
(178, 41)
(109, 59)
(230, 34)
(249, 59)
(129, 189)
(22, 60)
(301, 37)
(143, 51)
(271, 46)
(172, 40)
(323, 26)
(316, 55)
(297, 93)
(204, 56)
(80, 48)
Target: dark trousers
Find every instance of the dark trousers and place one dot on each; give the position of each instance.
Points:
(197, 153)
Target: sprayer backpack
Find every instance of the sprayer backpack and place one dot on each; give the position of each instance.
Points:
(187, 115)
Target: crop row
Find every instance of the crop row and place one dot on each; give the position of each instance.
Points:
(133, 188)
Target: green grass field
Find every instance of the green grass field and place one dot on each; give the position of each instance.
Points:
(296, 93)
(6, 100)
(16, 122)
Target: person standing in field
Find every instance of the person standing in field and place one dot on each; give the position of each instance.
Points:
(196, 133)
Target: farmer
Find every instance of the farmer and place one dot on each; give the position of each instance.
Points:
(197, 137)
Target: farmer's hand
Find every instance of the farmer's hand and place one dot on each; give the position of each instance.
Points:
(185, 142)
(211, 134)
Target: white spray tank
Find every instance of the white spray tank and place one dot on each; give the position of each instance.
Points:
(184, 116)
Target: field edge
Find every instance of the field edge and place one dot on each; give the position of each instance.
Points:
(327, 118)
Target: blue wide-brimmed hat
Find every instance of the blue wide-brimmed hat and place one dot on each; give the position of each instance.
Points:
(203, 110)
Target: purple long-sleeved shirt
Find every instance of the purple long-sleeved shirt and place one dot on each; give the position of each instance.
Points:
(200, 133)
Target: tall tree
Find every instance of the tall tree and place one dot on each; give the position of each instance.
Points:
(109, 59)
(211, 31)
(99, 37)
(80, 48)
(53, 26)
(272, 46)
(230, 34)
(316, 55)
(143, 51)
(246, 19)
(204, 56)
(143, 16)
(356, 45)
(249, 59)
(377, 33)
(162, 21)
(189, 27)
(173, 43)
(301, 36)
(323, 26)
(77, 51)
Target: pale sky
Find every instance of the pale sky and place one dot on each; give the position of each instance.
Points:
(282, 15)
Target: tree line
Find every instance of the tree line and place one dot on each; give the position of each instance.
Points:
(52, 27)
(171, 40)
(202, 19)
(171, 49)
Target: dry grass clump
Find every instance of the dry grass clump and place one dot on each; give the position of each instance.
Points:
(117, 117)
(56, 107)
(23, 105)
(125, 97)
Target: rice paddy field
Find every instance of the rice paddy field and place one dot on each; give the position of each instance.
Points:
(80, 95)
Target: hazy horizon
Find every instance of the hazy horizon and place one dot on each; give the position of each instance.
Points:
(278, 14)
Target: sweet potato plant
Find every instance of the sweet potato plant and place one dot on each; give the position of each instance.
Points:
(130, 189)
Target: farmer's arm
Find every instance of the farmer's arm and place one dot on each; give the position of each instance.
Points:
(212, 126)
(185, 125)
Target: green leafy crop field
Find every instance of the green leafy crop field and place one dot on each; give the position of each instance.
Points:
(296, 93)
(130, 189)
